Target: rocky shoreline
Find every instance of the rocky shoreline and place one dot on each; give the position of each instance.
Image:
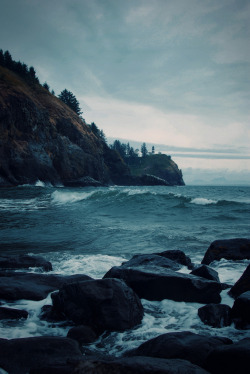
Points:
(97, 306)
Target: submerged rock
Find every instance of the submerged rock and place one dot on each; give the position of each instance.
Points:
(230, 359)
(241, 311)
(230, 249)
(182, 345)
(177, 256)
(242, 285)
(103, 304)
(18, 356)
(158, 284)
(11, 313)
(215, 315)
(24, 262)
(206, 272)
(32, 286)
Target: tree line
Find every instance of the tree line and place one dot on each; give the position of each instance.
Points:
(128, 153)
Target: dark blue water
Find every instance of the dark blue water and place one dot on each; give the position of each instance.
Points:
(89, 230)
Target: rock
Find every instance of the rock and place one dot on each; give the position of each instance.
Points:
(152, 284)
(11, 313)
(177, 256)
(215, 315)
(103, 304)
(24, 262)
(82, 334)
(50, 315)
(206, 272)
(32, 286)
(151, 260)
(137, 365)
(242, 285)
(241, 310)
(230, 359)
(181, 345)
(230, 249)
(18, 356)
(83, 182)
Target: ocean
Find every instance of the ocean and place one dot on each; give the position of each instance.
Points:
(89, 230)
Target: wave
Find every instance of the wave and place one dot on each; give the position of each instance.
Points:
(59, 197)
(203, 201)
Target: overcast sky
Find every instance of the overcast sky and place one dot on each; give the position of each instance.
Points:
(172, 72)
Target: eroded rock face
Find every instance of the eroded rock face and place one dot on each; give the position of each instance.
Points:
(158, 284)
(103, 304)
(182, 345)
(230, 249)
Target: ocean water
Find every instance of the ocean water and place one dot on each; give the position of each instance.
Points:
(89, 230)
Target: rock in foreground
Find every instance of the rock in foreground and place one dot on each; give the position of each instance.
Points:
(215, 315)
(230, 249)
(104, 304)
(159, 284)
(24, 262)
(242, 285)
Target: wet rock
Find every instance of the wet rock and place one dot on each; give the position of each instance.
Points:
(50, 315)
(230, 249)
(215, 315)
(160, 284)
(82, 334)
(138, 365)
(83, 182)
(18, 356)
(241, 311)
(177, 256)
(206, 272)
(182, 345)
(151, 260)
(24, 262)
(242, 285)
(11, 313)
(32, 286)
(103, 304)
(230, 359)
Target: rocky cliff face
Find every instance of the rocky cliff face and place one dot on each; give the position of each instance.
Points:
(41, 138)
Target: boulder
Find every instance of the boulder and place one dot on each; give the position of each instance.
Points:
(11, 313)
(32, 286)
(242, 285)
(215, 315)
(206, 272)
(151, 260)
(24, 262)
(137, 365)
(82, 334)
(177, 256)
(230, 359)
(181, 345)
(103, 304)
(50, 315)
(230, 249)
(18, 356)
(241, 310)
(159, 284)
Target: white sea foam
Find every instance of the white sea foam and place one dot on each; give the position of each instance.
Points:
(203, 201)
(60, 197)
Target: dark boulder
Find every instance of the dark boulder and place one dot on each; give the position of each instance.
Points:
(50, 315)
(215, 315)
(24, 262)
(206, 272)
(32, 286)
(151, 260)
(230, 359)
(241, 311)
(177, 256)
(152, 284)
(230, 249)
(137, 365)
(103, 304)
(82, 334)
(18, 356)
(182, 345)
(242, 285)
(11, 313)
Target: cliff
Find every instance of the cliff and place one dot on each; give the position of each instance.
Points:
(42, 138)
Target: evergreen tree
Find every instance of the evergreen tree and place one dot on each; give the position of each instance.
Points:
(69, 99)
(46, 86)
(1, 58)
(144, 150)
(8, 62)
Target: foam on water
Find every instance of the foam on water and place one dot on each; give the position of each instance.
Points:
(59, 197)
(202, 201)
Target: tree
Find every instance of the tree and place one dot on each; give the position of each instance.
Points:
(99, 133)
(46, 86)
(69, 99)
(153, 150)
(144, 150)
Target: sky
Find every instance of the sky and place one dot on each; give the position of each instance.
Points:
(172, 73)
